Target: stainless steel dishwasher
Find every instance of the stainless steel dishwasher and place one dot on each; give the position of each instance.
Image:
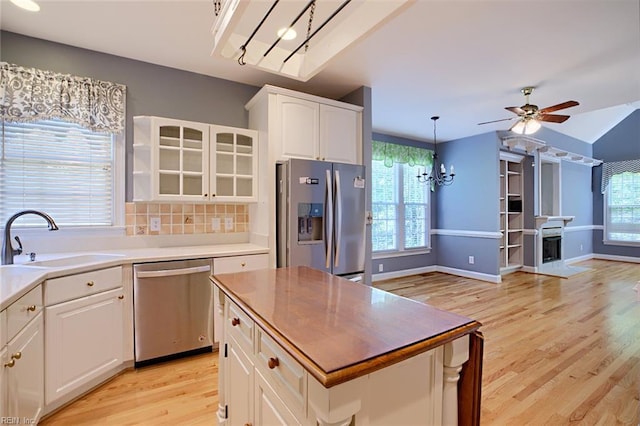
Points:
(173, 309)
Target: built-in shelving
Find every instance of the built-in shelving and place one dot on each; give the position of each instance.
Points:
(511, 216)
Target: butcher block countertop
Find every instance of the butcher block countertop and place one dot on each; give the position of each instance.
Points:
(336, 329)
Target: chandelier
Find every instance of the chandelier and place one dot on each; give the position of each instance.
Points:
(437, 175)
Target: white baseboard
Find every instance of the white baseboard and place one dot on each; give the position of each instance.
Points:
(453, 271)
(580, 258)
(617, 258)
(402, 273)
(470, 274)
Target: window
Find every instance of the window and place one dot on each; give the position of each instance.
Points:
(60, 168)
(400, 208)
(622, 208)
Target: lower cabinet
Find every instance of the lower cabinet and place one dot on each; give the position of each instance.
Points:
(84, 340)
(23, 373)
(240, 394)
(270, 409)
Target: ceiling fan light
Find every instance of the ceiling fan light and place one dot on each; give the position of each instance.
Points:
(531, 126)
(526, 126)
(519, 127)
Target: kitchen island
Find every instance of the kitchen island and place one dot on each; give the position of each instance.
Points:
(300, 346)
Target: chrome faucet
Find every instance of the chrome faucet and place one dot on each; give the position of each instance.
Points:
(7, 249)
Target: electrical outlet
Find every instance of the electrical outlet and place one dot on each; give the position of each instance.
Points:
(380, 267)
(228, 223)
(215, 223)
(154, 225)
(472, 260)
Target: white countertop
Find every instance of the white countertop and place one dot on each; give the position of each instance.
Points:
(16, 280)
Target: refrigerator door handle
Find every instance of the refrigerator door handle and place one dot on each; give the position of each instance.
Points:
(328, 219)
(338, 218)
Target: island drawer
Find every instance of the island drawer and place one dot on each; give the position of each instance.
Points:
(240, 326)
(74, 286)
(23, 310)
(223, 265)
(286, 375)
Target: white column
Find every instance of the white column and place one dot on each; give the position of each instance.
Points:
(456, 353)
(219, 328)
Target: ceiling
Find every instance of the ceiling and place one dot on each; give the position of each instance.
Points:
(462, 60)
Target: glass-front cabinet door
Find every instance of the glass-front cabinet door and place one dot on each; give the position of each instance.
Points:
(234, 164)
(183, 159)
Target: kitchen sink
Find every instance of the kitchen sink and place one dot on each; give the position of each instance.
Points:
(81, 259)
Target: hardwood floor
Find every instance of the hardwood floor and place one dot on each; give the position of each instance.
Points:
(557, 352)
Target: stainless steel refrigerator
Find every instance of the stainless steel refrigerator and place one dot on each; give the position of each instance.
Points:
(321, 216)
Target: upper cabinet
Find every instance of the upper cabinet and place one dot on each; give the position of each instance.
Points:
(234, 164)
(307, 127)
(178, 160)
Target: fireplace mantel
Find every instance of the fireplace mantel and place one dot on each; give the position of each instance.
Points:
(541, 220)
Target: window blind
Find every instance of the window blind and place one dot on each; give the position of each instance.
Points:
(59, 168)
(622, 211)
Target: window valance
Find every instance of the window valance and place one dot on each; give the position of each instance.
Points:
(391, 153)
(614, 168)
(29, 94)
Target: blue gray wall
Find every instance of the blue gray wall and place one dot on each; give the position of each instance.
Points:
(470, 204)
(619, 144)
(151, 89)
(400, 263)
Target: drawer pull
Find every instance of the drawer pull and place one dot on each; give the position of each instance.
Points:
(10, 363)
(121, 297)
(90, 283)
(17, 355)
(243, 264)
(235, 321)
(31, 308)
(273, 363)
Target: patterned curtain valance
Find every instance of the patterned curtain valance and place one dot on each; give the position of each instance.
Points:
(29, 94)
(610, 169)
(392, 153)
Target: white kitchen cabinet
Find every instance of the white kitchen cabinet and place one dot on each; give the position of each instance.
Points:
(241, 381)
(316, 131)
(171, 158)
(177, 160)
(23, 374)
(3, 380)
(251, 262)
(299, 124)
(339, 134)
(233, 164)
(269, 408)
(84, 314)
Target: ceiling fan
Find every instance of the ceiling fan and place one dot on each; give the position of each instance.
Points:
(530, 115)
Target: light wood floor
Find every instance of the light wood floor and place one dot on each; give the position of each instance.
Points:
(557, 352)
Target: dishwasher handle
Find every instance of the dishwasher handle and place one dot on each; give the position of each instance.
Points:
(172, 272)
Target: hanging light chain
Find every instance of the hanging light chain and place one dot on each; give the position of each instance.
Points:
(311, 12)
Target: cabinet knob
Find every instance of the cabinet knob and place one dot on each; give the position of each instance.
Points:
(90, 283)
(121, 297)
(31, 308)
(205, 195)
(10, 363)
(235, 321)
(273, 363)
(17, 355)
(243, 264)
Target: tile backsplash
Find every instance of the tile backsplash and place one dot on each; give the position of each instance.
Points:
(185, 218)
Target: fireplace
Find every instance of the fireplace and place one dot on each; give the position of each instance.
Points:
(551, 244)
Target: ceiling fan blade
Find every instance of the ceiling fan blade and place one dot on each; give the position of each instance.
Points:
(563, 105)
(515, 110)
(495, 121)
(553, 118)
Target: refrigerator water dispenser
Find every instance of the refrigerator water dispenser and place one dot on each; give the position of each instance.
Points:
(310, 222)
